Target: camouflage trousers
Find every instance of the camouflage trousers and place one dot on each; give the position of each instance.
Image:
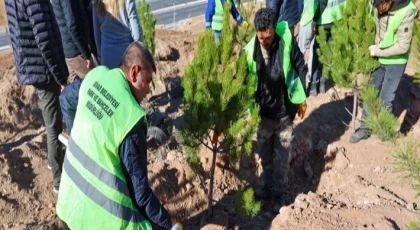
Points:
(274, 139)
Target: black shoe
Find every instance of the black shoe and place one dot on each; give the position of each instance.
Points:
(264, 193)
(278, 203)
(360, 134)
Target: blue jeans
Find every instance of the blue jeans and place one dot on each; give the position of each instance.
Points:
(305, 34)
(217, 35)
(386, 79)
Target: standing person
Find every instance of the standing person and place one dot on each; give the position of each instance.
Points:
(116, 25)
(215, 15)
(275, 59)
(104, 183)
(39, 58)
(305, 31)
(286, 10)
(327, 12)
(75, 34)
(394, 23)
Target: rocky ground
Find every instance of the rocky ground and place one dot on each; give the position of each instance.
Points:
(332, 183)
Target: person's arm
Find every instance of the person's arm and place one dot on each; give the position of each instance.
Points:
(320, 9)
(133, 18)
(404, 37)
(298, 62)
(42, 20)
(211, 5)
(97, 32)
(274, 5)
(133, 153)
(235, 13)
(71, 11)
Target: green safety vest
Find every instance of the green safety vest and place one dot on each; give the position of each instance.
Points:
(217, 19)
(391, 37)
(332, 12)
(93, 190)
(295, 89)
(309, 8)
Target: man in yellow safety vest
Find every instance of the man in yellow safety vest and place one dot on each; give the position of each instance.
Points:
(104, 182)
(394, 22)
(215, 15)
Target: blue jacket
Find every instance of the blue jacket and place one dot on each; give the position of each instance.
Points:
(74, 27)
(211, 8)
(133, 155)
(36, 42)
(286, 10)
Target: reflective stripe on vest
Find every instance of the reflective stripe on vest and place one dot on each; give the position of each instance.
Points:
(391, 37)
(93, 189)
(217, 19)
(295, 89)
(309, 8)
(332, 12)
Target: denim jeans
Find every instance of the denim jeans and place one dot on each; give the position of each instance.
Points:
(316, 72)
(217, 35)
(53, 119)
(305, 34)
(386, 79)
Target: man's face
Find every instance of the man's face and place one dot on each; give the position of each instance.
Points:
(265, 37)
(140, 79)
(384, 7)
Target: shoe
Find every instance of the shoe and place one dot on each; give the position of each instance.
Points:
(55, 190)
(360, 134)
(278, 203)
(49, 167)
(264, 193)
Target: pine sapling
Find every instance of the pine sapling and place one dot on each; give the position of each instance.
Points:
(148, 24)
(217, 91)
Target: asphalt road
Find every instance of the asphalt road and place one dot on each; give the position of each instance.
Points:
(4, 39)
(181, 13)
(159, 4)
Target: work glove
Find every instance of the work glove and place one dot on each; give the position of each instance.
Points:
(372, 49)
(176, 225)
(302, 110)
(245, 24)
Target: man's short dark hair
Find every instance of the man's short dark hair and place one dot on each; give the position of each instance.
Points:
(265, 18)
(137, 52)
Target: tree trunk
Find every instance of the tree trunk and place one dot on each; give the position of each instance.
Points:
(354, 115)
(213, 167)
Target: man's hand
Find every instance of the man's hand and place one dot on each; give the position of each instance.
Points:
(176, 225)
(372, 49)
(90, 64)
(302, 110)
(245, 24)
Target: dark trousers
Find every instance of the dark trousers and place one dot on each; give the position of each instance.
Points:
(51, 113)
(274, 138)
(386, 79)
(317, 77)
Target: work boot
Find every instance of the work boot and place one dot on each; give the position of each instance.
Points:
(263, 193)
(360, 134)
(278, 203)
